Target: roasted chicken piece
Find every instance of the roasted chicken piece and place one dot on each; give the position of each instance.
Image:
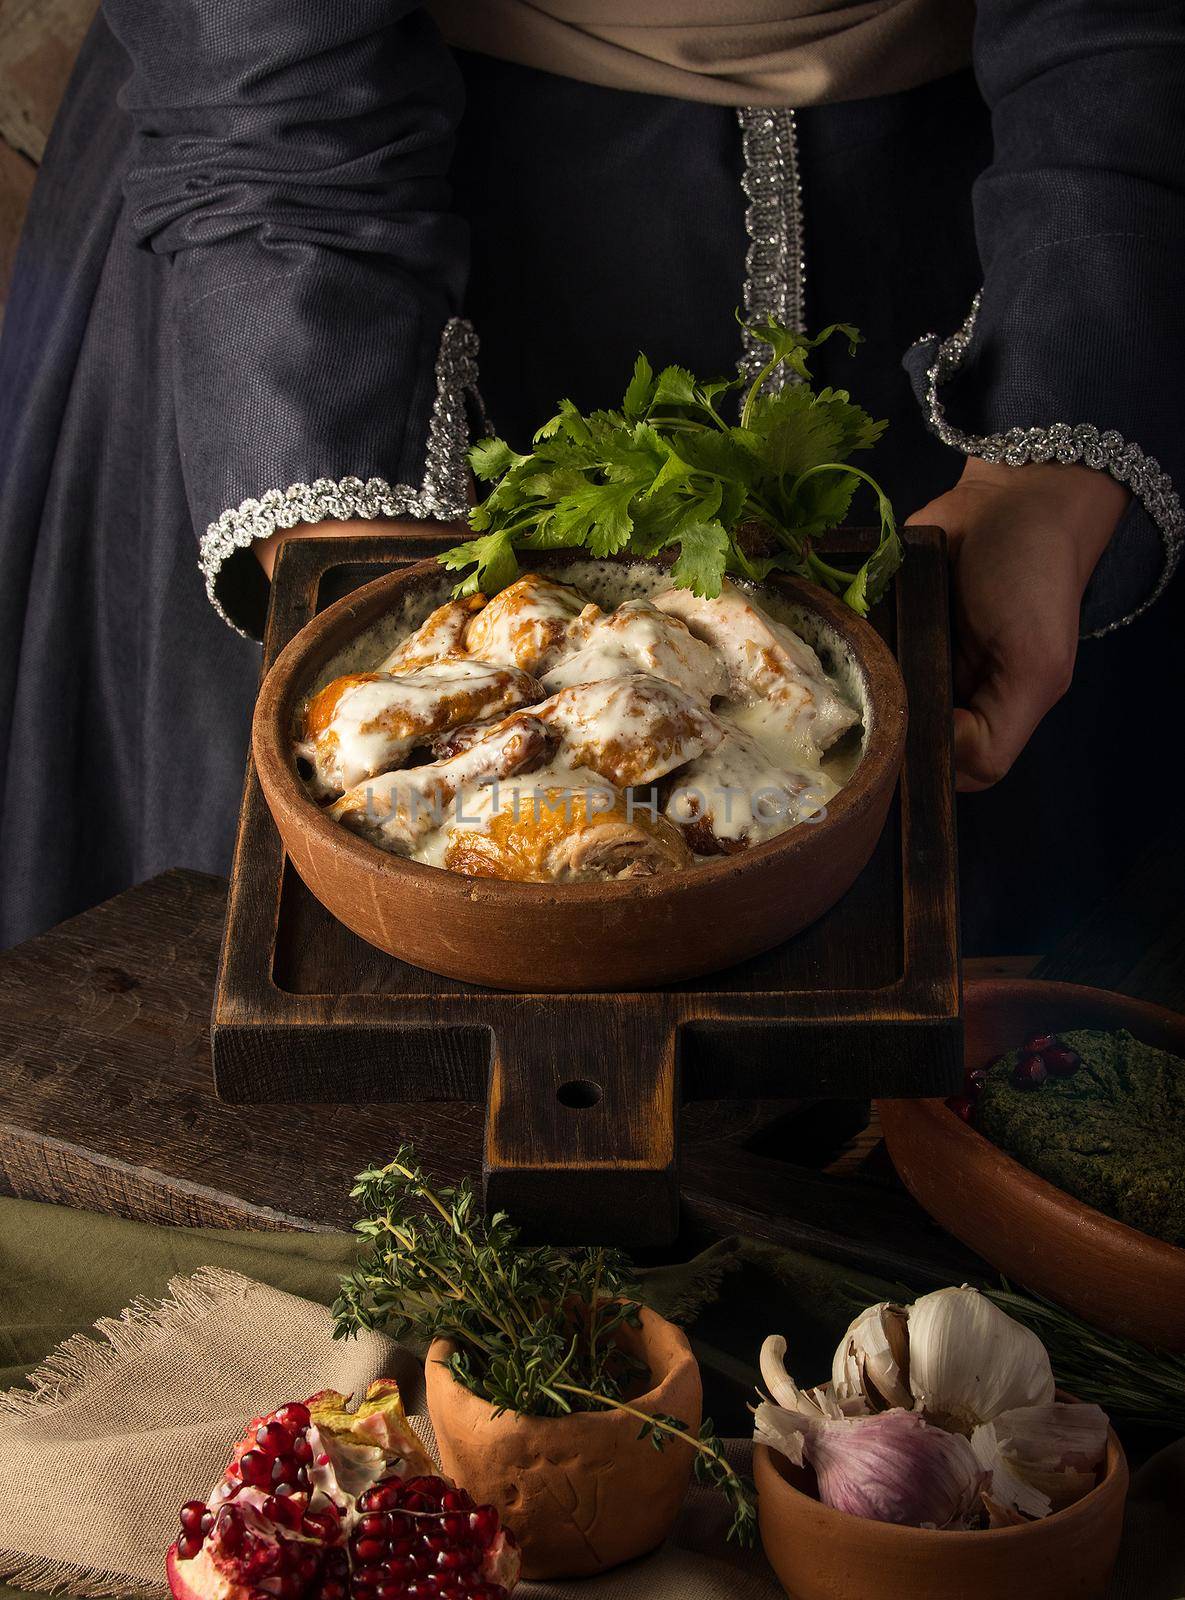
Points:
(369, 722)
(439, 635)
(637, 637)
(526, 623)
(398, 810)
(563, 834)
(737, 795)
(629, 730)
(766, 661)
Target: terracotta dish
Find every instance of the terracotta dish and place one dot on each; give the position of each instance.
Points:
(822, 1554)
(1035, 1234)
(582, 1492)
(624, 935)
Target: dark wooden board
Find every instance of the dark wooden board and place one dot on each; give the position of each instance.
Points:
(106, 1103)
(106, 1100)
(583, 1090)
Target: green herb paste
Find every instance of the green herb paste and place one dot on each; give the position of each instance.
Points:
(1112, 1135)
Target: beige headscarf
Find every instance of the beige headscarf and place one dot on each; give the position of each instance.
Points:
(725, 52)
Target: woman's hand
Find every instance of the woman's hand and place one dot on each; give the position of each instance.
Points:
(1023, 543)
(267, 549)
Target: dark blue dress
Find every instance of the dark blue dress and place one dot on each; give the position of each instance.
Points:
(259, 242)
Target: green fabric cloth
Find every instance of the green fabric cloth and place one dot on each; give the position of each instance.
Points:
(62, 1269)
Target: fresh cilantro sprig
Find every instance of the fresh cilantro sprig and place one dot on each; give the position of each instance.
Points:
(667, 471)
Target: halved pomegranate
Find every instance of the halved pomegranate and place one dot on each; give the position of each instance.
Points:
(322, 1503)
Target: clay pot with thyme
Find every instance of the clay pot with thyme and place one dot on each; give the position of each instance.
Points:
(555, 1396)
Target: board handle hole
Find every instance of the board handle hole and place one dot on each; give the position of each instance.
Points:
(578, 1094)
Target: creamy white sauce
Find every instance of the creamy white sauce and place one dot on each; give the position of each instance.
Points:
(364, 747)
(763, 775)
(475, 807)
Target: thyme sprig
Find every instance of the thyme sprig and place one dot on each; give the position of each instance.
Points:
(535, 1327)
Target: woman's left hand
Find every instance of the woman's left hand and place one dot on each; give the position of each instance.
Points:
(1023, 542)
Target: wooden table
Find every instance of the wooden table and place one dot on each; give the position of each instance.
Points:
(106, 1098)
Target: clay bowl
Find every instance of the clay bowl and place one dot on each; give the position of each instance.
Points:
(580, 1493)
(822, 1554)
(582, 936)
(1035, 1234)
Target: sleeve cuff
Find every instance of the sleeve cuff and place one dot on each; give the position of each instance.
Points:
(1143, 555)
(234, 580)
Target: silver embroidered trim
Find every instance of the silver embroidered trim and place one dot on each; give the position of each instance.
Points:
(1062, 441)
(775, 264)
(442, 495)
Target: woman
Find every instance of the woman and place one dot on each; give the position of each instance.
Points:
(239, 298)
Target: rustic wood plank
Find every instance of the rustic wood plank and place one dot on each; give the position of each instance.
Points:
(107, 1100)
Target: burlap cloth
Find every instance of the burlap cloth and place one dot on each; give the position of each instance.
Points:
(112, 1433)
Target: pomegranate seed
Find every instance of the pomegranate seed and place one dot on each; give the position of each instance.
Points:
(963, 1106)
(295, 1417)
(484, 1523)
(1030, 1072)
(1039, 1043)
(457, 1558)
(976, 1081)
(256, 1469)
(302, 1452)
(1061, 1062)
(456, 1500)
(230, 1533)
(188, 1545)
(333, 1589)
(323, 1459)
(373, 1523)
(274, 1438)
(193, 1513)
(367, 1550)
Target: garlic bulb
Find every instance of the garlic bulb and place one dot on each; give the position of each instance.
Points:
(818, 1402)
(969, 1361)
(1041, 1458)
(892, 1467)
(871, 1365)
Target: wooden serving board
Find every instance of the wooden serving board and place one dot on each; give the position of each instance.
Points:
(582, 1091)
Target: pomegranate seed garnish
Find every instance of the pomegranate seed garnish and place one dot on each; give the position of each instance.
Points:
(963, 1106)
(274, 1438)
(1039, 1043)
(484, 1523)
(295, 1417)
(1030, 1073)
(256, 1469)
(1061, 1062)
(193, 1513)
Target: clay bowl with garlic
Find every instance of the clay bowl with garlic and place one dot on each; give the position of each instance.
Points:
(819, 1553)
(579, 936)
(1034, 1233)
